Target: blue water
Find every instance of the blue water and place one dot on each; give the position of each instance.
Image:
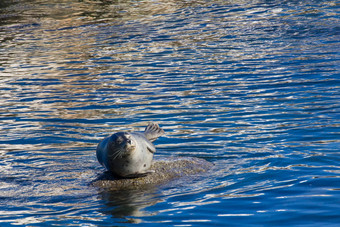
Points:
(252, 86)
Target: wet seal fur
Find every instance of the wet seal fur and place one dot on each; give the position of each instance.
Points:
(164, 170)
(129, 154)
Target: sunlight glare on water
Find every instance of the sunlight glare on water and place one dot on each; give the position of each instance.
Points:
(251, 86)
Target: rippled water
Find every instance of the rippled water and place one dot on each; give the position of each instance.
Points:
(252, 86)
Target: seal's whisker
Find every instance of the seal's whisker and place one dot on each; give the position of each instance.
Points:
(118, 154)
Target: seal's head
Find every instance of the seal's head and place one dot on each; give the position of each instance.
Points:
(121, 144)
(129, 154)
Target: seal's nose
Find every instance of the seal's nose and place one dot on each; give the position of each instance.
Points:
(128, 138)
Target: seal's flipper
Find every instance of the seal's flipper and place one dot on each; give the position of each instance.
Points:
(151, 147)
(153, 131)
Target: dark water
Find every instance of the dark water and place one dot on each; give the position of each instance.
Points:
(252, 86)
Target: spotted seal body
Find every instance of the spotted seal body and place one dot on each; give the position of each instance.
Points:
(129, 154)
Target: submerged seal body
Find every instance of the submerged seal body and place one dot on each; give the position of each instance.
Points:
(129, 154)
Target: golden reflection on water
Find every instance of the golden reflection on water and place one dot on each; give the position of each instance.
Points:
(65, 39)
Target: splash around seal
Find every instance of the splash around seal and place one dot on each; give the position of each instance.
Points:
(129, 154)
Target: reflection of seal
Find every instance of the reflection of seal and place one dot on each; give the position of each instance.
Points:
(129, 154)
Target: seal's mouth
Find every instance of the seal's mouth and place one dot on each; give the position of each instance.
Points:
(129, 145)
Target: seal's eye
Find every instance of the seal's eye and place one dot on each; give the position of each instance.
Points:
(119, 140)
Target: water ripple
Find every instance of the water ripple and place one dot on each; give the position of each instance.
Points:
(251, 86)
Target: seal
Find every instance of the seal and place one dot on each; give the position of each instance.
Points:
(129, 154)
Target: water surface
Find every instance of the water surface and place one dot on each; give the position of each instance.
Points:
(252, 86)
